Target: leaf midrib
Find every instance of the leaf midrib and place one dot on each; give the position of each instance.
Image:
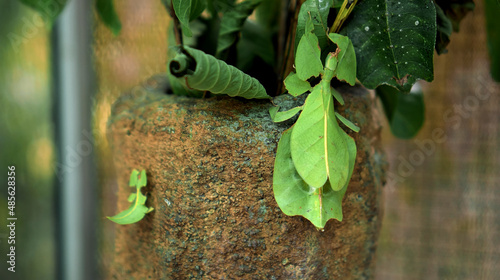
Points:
(389, 36)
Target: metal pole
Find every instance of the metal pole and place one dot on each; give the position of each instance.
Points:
(75, 169)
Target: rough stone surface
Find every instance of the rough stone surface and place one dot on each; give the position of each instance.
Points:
(209, 164)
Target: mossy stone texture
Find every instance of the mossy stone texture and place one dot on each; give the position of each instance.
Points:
(209, 164)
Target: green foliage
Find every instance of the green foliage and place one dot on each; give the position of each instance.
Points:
(394, 42)
(106, 11)
(232, 23)
(255, 42)
(187, 10)
(405, 112)
(449, 14)
(493, 30)
(197, 70)
(138, 209)
(48, 9)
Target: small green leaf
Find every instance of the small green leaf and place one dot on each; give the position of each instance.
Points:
(232, 23)
(283, 116)
(405, 112)
(308, 57)
(106, 11)
(347, 122)
(197, 70)
(186, 10)
(295, 85)
(319, 150)
(48, 9)
(346, 65)
(138, 209)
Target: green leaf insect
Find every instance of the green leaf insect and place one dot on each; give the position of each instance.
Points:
(197, 70)
(295, 197)
(315, 158)
(138, 209)
(319, 150)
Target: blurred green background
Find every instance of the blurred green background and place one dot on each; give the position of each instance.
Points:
(26, 141)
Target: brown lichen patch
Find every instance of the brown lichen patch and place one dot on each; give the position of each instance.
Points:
(209, 164)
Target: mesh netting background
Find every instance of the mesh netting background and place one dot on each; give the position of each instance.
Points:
(442, 199)
(442, 218)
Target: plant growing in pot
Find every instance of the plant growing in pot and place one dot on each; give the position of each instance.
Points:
(221, 215)
(318, 49)
(315, 56)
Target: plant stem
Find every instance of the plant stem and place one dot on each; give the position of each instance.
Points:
(286, 40)
(177, 26)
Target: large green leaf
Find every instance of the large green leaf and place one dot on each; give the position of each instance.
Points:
(106, 11)
(137, 209)
(308, 57)
(318, 10)
(405, 112)
(232, 23)
(48, 9)
(296, 197)
(200, 71)
(319, 150)
(493, 30)
(187, 10)
(394, 41)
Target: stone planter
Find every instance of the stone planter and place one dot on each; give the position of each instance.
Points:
(209, 164)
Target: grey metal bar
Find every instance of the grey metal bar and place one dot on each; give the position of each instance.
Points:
(75, 170)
